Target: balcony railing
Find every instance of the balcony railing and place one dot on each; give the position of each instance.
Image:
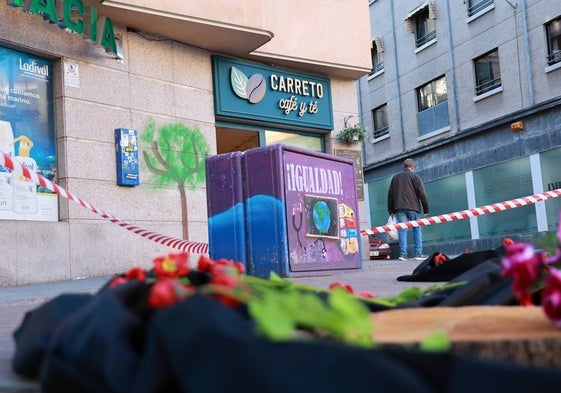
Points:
(488, 85)
(377, 67)
(381, 132)
(474, 9)
(554, 57)
(426, 38)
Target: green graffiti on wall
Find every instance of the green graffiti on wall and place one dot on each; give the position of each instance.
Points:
(176, 155)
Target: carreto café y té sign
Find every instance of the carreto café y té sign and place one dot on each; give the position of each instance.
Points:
(74, 16)
(253, 91)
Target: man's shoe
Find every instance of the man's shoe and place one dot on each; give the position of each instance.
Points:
(419, 257)
(402, 257)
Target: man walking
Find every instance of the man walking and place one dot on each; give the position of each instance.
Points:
(406, 199)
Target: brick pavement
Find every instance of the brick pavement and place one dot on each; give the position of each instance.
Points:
(378, 277)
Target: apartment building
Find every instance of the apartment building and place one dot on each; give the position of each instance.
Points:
(471, 91)
(120, 103)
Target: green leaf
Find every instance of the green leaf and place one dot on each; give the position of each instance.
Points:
(239, 82)
(436, 342)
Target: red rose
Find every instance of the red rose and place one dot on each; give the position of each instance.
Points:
(551, 297)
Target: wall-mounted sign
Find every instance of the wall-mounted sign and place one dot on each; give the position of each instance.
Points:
(356, 156)
(27, 134)
(75, 17)
(257, 92)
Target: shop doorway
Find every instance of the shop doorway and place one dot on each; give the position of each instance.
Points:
(233, 139)
(230, 139)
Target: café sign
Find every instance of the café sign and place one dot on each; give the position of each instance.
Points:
(74, 16)
(257, 92)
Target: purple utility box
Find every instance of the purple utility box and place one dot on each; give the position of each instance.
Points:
(283, 209)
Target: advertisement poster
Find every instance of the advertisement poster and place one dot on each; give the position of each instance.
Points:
(322, 213)
(27, 135)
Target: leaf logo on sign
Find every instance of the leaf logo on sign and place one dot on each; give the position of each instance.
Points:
(252, 89)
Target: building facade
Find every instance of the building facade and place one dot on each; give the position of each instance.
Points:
(121, 102)
(470, 91)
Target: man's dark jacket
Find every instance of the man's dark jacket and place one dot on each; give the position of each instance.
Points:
(407, 192)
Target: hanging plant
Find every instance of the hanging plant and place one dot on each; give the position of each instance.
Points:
(352, 134)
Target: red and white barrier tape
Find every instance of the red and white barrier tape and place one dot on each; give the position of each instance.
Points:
(478, 211)
(179, 244)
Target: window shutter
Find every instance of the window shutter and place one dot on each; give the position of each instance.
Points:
(409, 25)
(379, 44)
(432, 10)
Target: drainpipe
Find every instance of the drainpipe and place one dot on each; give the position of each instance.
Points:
(397, 77)
(453, 67)
(527, 46)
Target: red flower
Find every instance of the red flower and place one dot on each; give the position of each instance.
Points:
(551, 297)
(166, 292)
(205, 264)
(117, 281)
(136, 273)
(440, 258)
(345, 287)
(524, 265)
(508, 242)
(227, 279)
(366, 294)
(171, 265)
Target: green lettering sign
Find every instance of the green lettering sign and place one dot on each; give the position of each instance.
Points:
(45, 8)
(73, 16)
(93, 24)
(77, 6)
(108, 37)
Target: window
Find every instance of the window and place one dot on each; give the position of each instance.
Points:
(27, 134)
(474, 6)
(432, 94)
(377, 53)
(432, 100)
(553, 31)
(425, 27)
(380, 117)
(487, 72)
(421, 21)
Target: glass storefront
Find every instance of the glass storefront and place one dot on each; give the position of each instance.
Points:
(551, 177)
(503, 182)
(447, 195)
(493, 184)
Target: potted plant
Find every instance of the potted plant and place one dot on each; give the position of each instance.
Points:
(352, 134)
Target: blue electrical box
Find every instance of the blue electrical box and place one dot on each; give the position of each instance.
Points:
(126, 149)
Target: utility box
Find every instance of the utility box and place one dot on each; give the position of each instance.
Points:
(283, 209)
(126, 156)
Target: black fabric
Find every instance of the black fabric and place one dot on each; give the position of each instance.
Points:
(34, 335)
(430, 271)
(111, 342)
(199, 345)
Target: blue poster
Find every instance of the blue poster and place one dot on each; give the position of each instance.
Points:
(27, 135)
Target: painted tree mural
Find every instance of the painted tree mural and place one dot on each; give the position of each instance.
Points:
(176, 155)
